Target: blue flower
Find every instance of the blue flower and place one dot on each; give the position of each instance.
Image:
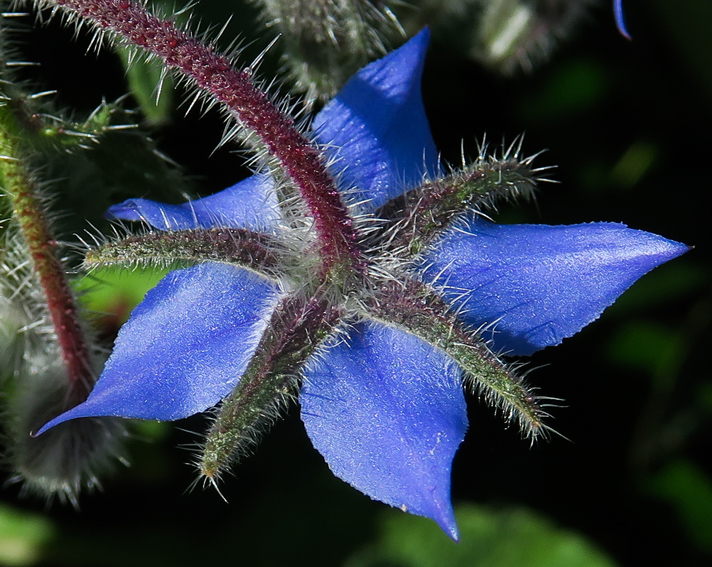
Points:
(382, 405)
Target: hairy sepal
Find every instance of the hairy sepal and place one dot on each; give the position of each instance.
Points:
(411, 222)
(298, 325)
(258, 252)
(417, 309)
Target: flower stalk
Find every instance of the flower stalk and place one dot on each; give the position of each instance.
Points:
(235, 89)
(33, 224)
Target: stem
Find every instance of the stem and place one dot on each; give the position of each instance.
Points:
(29, 214)
(213, 73)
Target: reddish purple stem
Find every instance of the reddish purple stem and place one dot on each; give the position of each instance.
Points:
(214, 73)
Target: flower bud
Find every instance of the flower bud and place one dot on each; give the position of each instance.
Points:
(517, 34)
(67, 459)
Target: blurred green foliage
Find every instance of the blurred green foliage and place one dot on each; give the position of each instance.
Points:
(490, 538)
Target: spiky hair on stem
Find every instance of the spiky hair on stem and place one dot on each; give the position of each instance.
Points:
(53, 352)
(244, 101)
(37, 387)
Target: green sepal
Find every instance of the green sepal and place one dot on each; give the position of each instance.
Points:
(416, 308)
(256, 251)
(297, 327)
(415, 219)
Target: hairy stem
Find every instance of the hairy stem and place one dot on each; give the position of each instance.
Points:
(235, 89)
(28, 213)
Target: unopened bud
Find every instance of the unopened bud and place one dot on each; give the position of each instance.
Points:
(67, 459)
(517, 34)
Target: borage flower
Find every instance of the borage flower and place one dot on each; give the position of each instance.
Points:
(380, 347)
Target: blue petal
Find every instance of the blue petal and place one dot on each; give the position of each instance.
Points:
(535, 284)
(620, 20)
(387, 412)
(184, 347)
(376, 128)
(251, 203)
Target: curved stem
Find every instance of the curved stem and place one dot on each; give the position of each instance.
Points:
(29, 214)
(235, 89)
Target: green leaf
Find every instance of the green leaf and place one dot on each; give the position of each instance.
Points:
(145, 77)
(23, 536)
(489, 538)
(689, 491)
(116, 290)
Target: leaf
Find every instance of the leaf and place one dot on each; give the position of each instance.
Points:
(514, 537)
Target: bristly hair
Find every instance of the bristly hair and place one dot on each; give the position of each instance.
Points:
(67, 460)
(411, 222)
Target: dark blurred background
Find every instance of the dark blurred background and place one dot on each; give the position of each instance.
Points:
(628, 482)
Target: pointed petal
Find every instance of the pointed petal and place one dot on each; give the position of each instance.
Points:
(376, 128)
(535, 285)
(387, 412)
(620, 18)
(184, 347)
(251, 203)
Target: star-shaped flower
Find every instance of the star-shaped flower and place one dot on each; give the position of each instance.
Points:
(379, 350)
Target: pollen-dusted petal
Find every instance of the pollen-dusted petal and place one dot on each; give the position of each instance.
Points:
(184, 347)
(534, 285)
(387, 412)
(376, 129)
(251, 203)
